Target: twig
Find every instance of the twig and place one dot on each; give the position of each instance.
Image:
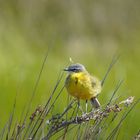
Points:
(93, 115)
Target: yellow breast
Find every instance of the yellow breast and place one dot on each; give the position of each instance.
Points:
(82, 85)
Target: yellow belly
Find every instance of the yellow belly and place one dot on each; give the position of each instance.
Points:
(80, 85)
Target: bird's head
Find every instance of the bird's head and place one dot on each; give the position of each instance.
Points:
(75, 68)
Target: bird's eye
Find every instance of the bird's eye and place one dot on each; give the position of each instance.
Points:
(74, 69)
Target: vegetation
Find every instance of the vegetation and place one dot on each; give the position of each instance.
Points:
(90, 32)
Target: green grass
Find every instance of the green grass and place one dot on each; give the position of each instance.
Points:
(88, 32)
(20, 77)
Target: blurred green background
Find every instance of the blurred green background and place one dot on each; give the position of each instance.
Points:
(90, 32)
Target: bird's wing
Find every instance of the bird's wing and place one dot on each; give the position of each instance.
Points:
(94, 81)
(96, 84)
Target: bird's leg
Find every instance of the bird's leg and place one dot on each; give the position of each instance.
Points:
(86, 105)
(78, 104)
(80, 108)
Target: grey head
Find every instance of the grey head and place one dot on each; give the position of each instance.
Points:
(75, 68)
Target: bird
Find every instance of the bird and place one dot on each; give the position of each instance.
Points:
(82, 85)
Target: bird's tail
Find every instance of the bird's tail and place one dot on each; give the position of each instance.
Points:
(95, 102)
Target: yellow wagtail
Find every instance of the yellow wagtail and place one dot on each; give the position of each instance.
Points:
(80, 84)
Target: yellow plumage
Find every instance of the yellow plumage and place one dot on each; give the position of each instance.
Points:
(82, 85)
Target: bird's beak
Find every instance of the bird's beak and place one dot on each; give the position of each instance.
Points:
(66, 69)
